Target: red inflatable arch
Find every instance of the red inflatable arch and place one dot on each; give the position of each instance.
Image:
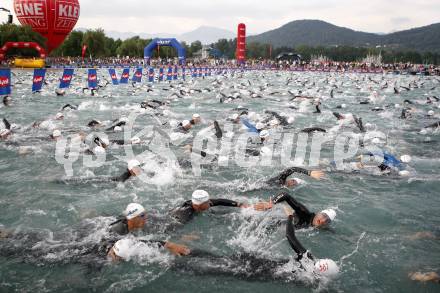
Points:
(20, 45)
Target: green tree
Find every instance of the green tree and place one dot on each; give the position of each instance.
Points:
(95, 41)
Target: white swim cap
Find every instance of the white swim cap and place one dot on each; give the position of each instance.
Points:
(259, 125)
(423, 131)
(264, 134)
(234, 116)
(343, 106)
(59, 115)
(98, 150)
(56, 133)
(405, 158)
(326, 267)
(133, 163)
(185, 123)
(122, 248)
(430, 113)
(200, 196)
(396, 106)
(117, 129)
(404, 173)
(290, 120)
(195, 116)
(135, 140)
(376, 140)
(133, 210)
(331, 213)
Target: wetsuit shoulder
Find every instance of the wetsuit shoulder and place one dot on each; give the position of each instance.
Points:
(120, 228)
(184, 213)
(122, 178)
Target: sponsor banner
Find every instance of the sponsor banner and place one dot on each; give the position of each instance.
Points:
(161, 74)
(113, 76)
(175, 75)
(5, 82)
(137, 76)
(66, 78)
(125, 75)
(38, 79)
(170, 73)
(92, 79)
(151, 74)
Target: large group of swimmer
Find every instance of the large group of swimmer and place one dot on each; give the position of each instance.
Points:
(130, 229)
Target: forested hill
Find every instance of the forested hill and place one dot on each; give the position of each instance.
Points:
(321, 33)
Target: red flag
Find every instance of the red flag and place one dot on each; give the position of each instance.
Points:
(83, 52)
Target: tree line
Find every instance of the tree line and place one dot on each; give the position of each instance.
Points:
(100, 45)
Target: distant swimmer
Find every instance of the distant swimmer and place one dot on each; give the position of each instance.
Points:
(135, 219)
(196, 119)
(56, 134)
(200, 202)
(313, 129)
(60, 92)
(7, 100)
(389, 164)
(118, 125)
(184, 126)
(283, 180)
(94, 123)
(69, 106)
(133, 169)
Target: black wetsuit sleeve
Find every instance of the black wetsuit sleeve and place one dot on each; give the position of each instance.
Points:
(293, 241)
(281, 178)
(159, 243)
(305, 217)
(124, 177)
(312, 129)
(7, 124)
(224, 202)
(118, 141)
(218, 130)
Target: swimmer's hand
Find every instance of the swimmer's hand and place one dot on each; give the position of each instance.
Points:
(177, 249)
(263, 205)
(317, 174)
(424, 277)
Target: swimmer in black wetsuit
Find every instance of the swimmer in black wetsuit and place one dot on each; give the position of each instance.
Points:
(281, 179)
(303, 217)
(201, 202)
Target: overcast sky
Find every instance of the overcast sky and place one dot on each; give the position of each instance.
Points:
(180, 16)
